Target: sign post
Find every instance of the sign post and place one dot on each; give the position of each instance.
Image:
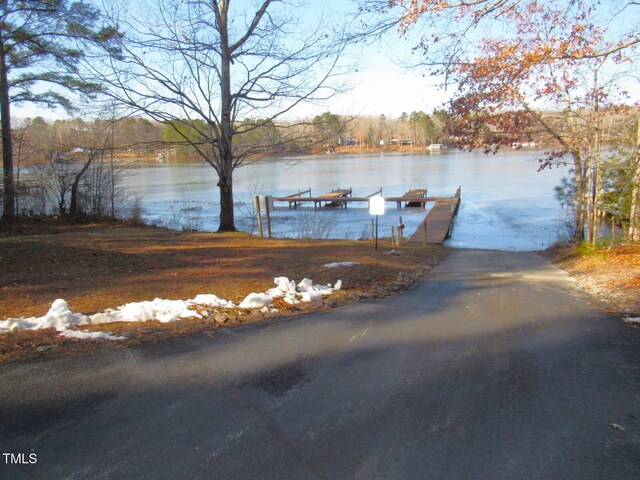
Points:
(376, 207)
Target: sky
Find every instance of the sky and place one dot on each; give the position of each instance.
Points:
(379, 84)
(378, 87)
(382, 86)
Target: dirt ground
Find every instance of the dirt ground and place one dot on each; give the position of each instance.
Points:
(98, 266)
(611, 274)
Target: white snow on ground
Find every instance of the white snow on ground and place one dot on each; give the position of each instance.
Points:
(340, 264)
(84, 335)
(286, 289)
(632, 320)
(162, 310)
(212, 300)
(61, 318)
(256, 300)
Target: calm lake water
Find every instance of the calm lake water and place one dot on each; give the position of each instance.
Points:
(506, 203)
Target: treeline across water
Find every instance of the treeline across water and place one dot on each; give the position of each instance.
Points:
(140, 138)
(76, 166)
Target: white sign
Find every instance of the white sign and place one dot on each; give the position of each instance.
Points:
(376, 205)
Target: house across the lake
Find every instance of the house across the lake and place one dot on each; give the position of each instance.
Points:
(437, 146)
(401, 141)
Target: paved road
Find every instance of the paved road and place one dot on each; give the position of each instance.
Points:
(495, 367)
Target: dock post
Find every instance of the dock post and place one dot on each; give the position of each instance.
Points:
(256, 206)
(268, 210)
(376, 232)
(424, 238)
(393, 235)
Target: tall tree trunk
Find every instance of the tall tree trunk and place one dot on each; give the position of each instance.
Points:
(8, 192)
(225, 144)
(596, 160)
(112, 178)
(227, 220)
(578, 235)
(634, 223)
(590, 193)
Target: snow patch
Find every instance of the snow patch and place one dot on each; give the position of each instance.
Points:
(164, 311)
(84, 335)
(283, 287)
(61, 318)
(286, 289)
(340, 264)
(311, 296)
(212, 301)
(635, 320)
(307, 286)
(256, 300)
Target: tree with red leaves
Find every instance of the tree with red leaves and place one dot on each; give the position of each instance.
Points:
(553, 69)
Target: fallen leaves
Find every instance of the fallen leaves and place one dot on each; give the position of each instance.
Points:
(610, 274)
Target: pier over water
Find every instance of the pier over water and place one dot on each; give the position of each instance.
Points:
(437, 224)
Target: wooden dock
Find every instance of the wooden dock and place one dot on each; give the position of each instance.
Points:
(334, 198)
(341, 197)
(295, 199)
(439, 221)
(416, 197)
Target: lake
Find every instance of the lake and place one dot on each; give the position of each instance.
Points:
(506, 203)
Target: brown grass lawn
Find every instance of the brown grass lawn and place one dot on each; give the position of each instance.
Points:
(95, 267)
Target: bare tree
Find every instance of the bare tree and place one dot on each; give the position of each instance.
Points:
(209, 65)
(74, 164)
(58, 171)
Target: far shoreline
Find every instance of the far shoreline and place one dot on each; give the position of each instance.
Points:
(318, 152)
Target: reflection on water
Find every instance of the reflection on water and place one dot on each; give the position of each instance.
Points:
(506, 203)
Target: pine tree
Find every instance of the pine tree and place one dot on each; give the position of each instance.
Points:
(41, 44)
